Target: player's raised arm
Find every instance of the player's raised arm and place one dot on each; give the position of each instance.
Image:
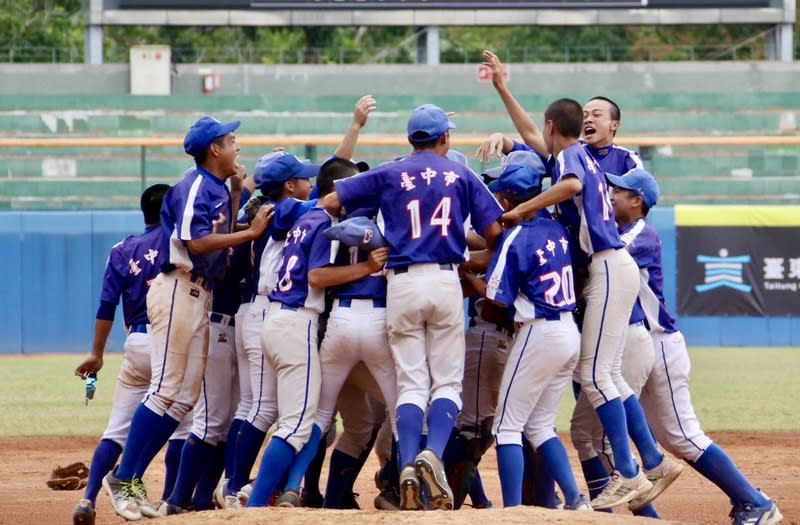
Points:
(528, 130)
(496, 145)
(347, 146)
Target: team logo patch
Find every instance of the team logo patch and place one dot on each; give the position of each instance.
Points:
(194, 292)
(222, 338)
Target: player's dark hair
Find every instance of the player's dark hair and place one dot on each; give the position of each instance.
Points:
(150, 203)
(429, 144)
(333, 170)
(201, 158)
(567, 117)
(275, 193)
(616, 114)
(518, 198)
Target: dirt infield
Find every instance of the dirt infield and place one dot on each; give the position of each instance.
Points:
(769, 459)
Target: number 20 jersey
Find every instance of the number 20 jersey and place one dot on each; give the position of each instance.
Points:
(532, 269)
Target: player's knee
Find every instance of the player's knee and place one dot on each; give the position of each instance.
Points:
(507, 437)
(264, 418)
(448, 392)
(416, 397)
(538, 436)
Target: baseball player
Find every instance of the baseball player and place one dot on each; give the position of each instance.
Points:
(285, 181)
(580, 194)
(532, 270)
(179, 297)
(601, 120)
(132, 263)
(202, 455)
(289, 338)
(665, 397)
(424, 201)
(355, 332)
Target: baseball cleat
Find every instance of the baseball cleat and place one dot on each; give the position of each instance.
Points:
(410, 489)
(147, 509)
(84, 513)
(388, 499)
(219, 494)
(580, 504)
(750, 515)
(168, 509)
(290, 498)
(620, 490)
(123, 497)
(431, 471)
(661, 477)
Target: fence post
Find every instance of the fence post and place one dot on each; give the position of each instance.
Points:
(311, 152)
(142, 167)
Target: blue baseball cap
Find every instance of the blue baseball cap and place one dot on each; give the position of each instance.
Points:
(518, 157)
(281, 169)
(457, 156)
(428, 122)
(204, 131)
(519, 179)
(261, 166)
(359, 231)
(640, 182)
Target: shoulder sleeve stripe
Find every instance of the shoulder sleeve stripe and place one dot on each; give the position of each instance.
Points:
(188, 210)
(634, 232)
(491, 291)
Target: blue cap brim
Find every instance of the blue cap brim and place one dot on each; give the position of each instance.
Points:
(618, 181)
(229, 127)
(309, 171)
(494, 186)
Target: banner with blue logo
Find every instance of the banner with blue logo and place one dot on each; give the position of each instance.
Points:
(738, 260)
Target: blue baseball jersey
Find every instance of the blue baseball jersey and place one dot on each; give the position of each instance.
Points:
(188, 212)
(615, 159)
(230, 293)
(306, 248)
(132, 264)
(532, 269)
(424, 201)
(372, 286)
(644, 245)
(588, 215)
(268, 248)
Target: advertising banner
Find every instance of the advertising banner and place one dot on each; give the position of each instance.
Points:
(738, 260)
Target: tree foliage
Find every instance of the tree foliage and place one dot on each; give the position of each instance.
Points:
(58, 25)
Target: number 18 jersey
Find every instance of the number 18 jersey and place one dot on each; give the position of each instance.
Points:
(532, 269)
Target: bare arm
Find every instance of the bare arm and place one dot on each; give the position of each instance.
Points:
(527, 129)
(496, 145)
(347, 146)
(492, 235)
(94, 362)
(220, 241)
(332, 203)
(562, 190)
(336, 275)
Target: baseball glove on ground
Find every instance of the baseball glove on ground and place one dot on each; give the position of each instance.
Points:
(71, 477)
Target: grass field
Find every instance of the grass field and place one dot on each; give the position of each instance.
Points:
(733, 389)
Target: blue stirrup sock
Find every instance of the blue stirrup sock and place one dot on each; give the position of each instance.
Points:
(409, 432)
(555, 457)
(196, 455)
(338, 475)
(510, 464)
(172, 463)
(149, 432)
(203, 498)
(640, 433)
(719, 469)
(230, 449)
(248, 445)
(612, 416)
(442, 416)
(105, 455)
(274, 465)
(302, 460)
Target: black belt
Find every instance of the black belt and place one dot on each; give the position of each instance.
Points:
(403, 269)
(287, 307)
(227, 320)
(202, 280)
(138, 329)
(376, 303)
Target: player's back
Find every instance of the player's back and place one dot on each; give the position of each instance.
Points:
(588, 215)
(644, 245)
(136, 261)
(615, 159)
(425, 200)
(533, 270)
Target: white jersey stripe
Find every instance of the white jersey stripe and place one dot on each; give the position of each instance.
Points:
(188, 210)
(497, 274)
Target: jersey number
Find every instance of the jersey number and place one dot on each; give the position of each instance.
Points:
(440, 217)
(285, 284)
(563, 283)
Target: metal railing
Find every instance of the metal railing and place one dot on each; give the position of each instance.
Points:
(405, 54)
